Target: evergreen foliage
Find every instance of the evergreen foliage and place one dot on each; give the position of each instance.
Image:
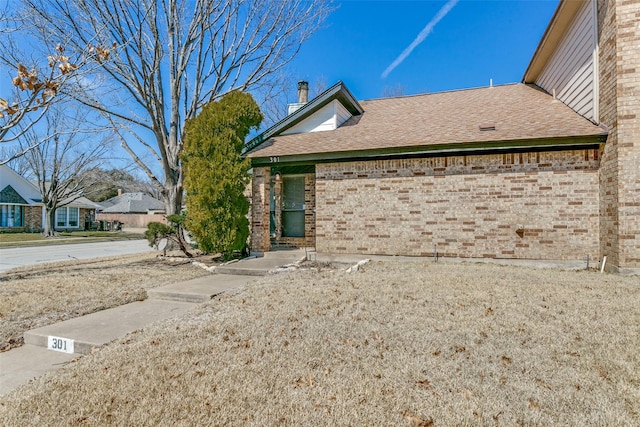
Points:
(216, 175)
(157, 231)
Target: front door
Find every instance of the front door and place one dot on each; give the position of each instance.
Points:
(293, 206)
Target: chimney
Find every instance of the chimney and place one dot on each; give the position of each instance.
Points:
(303, 92)
(119, 191)
(303, 96)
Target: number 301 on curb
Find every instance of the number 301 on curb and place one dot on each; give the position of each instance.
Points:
(64, 345)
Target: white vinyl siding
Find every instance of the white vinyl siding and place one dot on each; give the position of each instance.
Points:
(329, 117)
(571, 70)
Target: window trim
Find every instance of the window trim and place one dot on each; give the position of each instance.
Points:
(294, 211)
(11, 208)
(66, 223)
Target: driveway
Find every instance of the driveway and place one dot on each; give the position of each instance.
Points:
(18, 257)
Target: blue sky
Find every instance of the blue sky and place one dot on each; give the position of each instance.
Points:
(474, 42)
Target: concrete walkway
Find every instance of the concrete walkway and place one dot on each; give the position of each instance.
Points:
(80, 335)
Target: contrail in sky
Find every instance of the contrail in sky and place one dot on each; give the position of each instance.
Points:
(423, 35)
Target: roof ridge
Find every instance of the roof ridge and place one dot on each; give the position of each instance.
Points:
(413, 95)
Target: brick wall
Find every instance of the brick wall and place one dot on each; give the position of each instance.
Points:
(260, 191)
(528, 205)
(628, 130)
(619, 100)
(131, 220)
(33, 218)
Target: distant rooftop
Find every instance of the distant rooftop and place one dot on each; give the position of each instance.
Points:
(132, 203)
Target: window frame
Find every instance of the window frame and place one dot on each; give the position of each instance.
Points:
(297, 209)
(8, 214)
(66, 223)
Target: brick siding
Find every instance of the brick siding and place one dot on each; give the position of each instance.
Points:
(33, 218)
(260, 191)
(521, 205)
(619, 88)
(132, 220)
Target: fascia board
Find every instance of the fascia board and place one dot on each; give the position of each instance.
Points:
(436, 150)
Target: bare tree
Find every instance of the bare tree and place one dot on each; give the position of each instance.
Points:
(276, 102)
(36, 85)
(60, 155)
(173, 57)
(17, 164)
(104, 184)
(33, 91)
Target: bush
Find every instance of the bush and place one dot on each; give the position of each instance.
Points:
(157, 231)
(216, 174)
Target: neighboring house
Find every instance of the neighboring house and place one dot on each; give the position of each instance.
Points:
(75, 215)
(132, 210)
(21, 207)
(546, 169)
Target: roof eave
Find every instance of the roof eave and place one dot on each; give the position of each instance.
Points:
(436, 150)
(557, 27)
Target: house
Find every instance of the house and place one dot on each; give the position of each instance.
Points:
(22, 209)
(77, 214)
(132, 210)
(545, 169)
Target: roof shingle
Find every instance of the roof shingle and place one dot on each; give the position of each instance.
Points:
(518, 112)
(132, 203)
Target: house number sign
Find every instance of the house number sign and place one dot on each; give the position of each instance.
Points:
(65, 345)
(275, 159)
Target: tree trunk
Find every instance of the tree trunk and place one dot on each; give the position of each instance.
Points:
(172, 197)
(49, 221)
(172, 193)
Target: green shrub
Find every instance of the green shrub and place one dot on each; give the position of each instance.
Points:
(216, 174)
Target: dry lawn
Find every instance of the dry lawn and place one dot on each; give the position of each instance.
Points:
(393, 344)
(44, 294)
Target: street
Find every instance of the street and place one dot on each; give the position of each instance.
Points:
(18, 257)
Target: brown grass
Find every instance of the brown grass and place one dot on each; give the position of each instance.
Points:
(44, 294)
(394, 344)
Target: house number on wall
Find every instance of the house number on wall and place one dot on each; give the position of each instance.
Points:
(274, 159)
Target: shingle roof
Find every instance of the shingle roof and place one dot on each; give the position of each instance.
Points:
(81, 202)
(518, 112)
(132, 203)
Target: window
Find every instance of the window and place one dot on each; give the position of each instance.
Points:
(73, 217)
(61, 217)
(293, 206)
(11, 216)
(67, 217)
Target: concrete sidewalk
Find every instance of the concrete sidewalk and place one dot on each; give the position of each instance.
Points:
(18, 366)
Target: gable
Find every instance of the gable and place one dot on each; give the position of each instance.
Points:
(566, 61)
(327, 111)
(27, 192)
(11, 196)
(329, 117)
